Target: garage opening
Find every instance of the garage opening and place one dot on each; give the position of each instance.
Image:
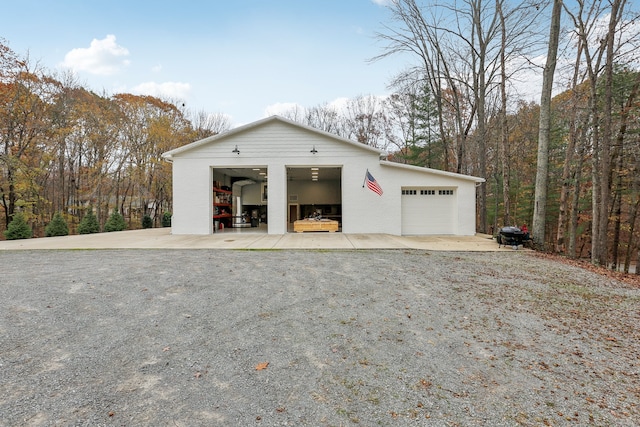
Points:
(429, 210)
(239, 197)
(314, 197)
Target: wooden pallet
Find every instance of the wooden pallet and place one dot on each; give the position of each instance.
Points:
(303, 225)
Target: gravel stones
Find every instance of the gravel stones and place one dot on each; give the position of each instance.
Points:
(395, 337)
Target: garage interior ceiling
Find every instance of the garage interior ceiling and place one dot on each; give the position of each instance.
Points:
(304, 173)
(293, 173)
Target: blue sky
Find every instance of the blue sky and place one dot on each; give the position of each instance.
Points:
(243, 58)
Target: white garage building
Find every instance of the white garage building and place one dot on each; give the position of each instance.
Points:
(272, 172)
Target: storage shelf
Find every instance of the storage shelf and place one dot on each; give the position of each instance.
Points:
(226, 215)
(222, 206)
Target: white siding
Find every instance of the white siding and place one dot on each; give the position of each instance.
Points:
(278, 144)
(463, 209)
(364, 211)
(192, 197)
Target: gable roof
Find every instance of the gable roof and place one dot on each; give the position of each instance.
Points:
(432, 171)
(256, 124)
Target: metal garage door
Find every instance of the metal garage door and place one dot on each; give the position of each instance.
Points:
(428, 210)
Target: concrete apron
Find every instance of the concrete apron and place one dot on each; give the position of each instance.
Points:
(161, 238)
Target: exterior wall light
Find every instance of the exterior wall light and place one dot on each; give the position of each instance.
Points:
(235, 150)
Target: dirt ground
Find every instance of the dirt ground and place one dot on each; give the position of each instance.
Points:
(314, 338)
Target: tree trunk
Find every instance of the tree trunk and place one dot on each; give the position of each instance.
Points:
(599, 246)
(615, 242)
(568, 161)
(638, 260)
(540, 202)
(633, 217)
(619, 155)
(575, 199)
(504, 124)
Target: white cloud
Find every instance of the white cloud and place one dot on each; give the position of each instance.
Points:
(339, 104)
(381, 2)
(171, 90)
(156, 68)
(103, 57)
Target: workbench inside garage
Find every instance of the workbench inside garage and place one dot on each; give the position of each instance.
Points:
(303, 225)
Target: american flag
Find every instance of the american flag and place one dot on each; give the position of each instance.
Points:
(372, 183)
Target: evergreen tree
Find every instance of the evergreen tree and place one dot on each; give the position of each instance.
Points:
(115, 222)
(18, 228)
(426, 147)
(147, 222)
(57, 227)
(89, 223)
(166, 219)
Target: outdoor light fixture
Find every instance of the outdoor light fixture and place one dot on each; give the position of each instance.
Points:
(235, 150)
(313, 150)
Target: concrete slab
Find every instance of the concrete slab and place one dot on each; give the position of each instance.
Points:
(161, 238)
(320, 240)
(479, 242)
(375, 241)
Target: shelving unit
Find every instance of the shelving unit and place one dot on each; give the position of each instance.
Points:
(222, 203)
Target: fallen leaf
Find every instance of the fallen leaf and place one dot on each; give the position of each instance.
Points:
(197, 375)
(111, 413)
(166, 348)
(262, 366)
(611, 339)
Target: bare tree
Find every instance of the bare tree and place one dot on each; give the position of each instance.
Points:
(207, 124)
(573, 138)
(429, 43)
(599, 246)
(366, 121)
(599, 28)
(326, 118)
(542, 169)
(295, 113)
(462, 48)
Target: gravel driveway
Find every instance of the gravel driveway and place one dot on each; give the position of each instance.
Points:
(313, 338)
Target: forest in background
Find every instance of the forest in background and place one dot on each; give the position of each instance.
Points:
(65, 149)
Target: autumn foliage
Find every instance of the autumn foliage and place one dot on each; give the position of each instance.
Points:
(64, 149)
